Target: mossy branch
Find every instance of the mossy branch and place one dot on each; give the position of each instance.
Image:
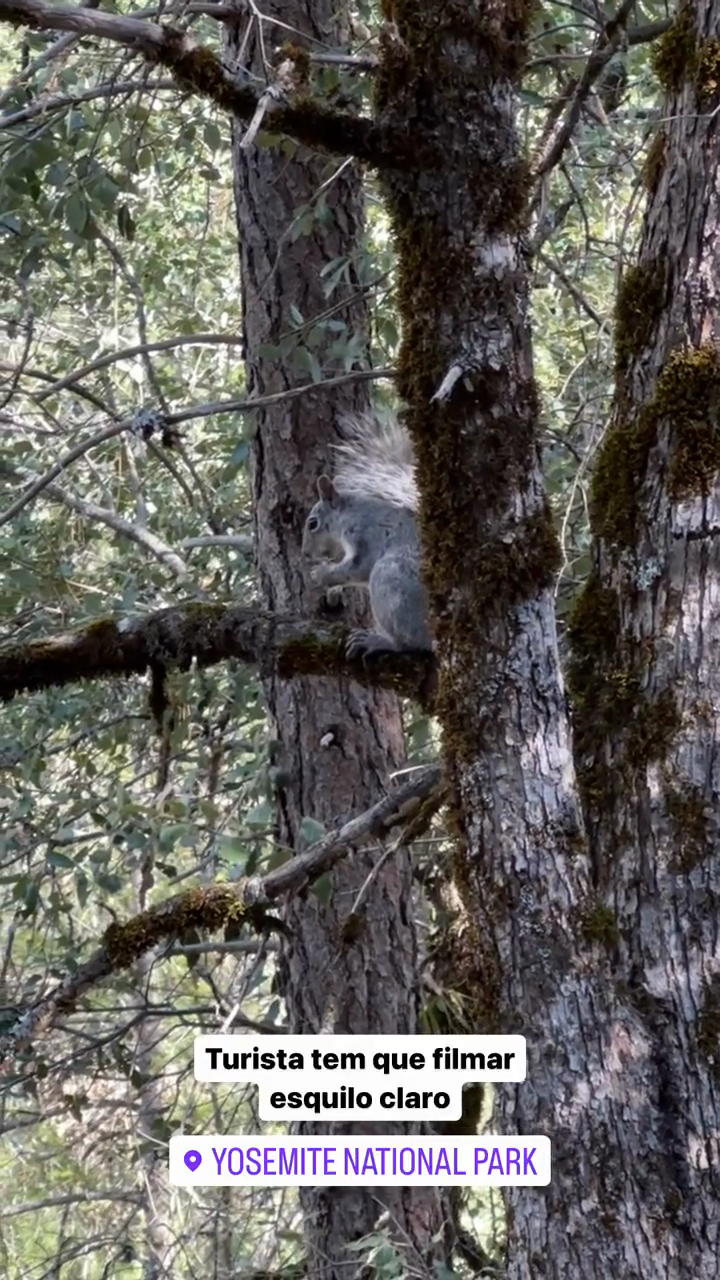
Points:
(206, 634)
(198, 70)
(211, 907)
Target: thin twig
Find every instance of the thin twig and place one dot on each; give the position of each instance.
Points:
(63, 101)
(112, 519)
(183, 415)
(140, 348)
(608, 41)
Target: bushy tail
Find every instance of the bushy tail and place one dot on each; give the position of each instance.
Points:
(376, 460)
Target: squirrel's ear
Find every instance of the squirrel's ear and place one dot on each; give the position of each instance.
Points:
(326, 489)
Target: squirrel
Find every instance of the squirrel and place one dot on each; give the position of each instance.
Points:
(364, 530)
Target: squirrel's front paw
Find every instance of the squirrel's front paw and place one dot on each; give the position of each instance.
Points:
(361, 643)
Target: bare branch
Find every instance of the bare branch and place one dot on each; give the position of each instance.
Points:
(139, 348)
(72, 1198)
(71, 456)
(56, 50)
(103, 515)
(63, 101)
(182, 415)
(241, 946)
(25, 371)
(349, 61)
(608, 42)
(575, 293)
(138, 293)
(649, 32)
(238, 541)
(277, 397)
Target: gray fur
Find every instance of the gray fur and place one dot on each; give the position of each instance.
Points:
(376, 460)
(373, 541)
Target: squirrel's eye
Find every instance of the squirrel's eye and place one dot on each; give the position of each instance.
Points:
(313, 524)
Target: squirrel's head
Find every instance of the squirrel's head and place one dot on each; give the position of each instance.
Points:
(322, 536)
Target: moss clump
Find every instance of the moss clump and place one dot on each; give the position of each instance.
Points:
(517, 570)
(707, 73)
(680, 56)
(674, 55)
(655, 161)
(688, 398)
(616, 484)
(593, 632)
(656, 723)
(209, 908)
(300, 56)
(622, 460)
(640, 300)
(689, 815)
(511, 213)
(504, 577)
(604, 684)
(566, 837)
(598, 923)
(606, 672)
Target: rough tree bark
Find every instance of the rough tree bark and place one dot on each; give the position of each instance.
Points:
(337, 740)
(646, 677)
(607, 1047)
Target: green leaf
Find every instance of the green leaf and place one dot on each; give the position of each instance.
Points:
(105, 192)
(82, 885)
(261, 815)
(232, 849)
(532, 99)
(311, 830)
(172, 834)
(60, 860)
(30, 895)
(109, 881)
(76, 213)
(306, 362)
(322, 889)
(212, 136)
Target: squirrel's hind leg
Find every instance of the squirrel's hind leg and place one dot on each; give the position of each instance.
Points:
(399, 604)
(361, 643)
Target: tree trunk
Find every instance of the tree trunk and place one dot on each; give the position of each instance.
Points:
(646, 676)
(620, 1014)
(337, 740)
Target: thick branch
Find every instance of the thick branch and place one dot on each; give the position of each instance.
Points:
(212, 907)
(206, 634)
(198, 70)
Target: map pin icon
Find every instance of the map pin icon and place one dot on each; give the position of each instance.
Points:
(193, 1160)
